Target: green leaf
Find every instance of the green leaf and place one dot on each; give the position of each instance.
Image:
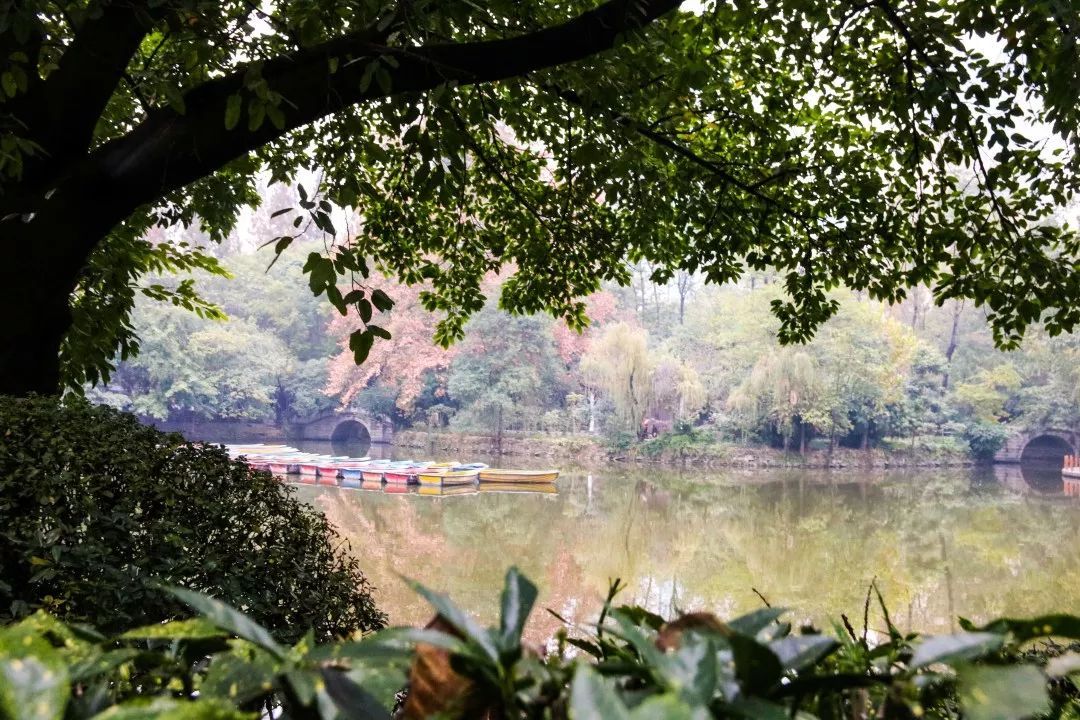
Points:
(951, 648)
(385, 645)
(169, 709)
(382, 300)
(230, 619)
(459, 619)
(796, 652)
(379, 332)
(669, 707)
(192, 628)
(754, 622)
(591, 698)
(1002, 693)
(360, 342)
(518, 596)
(351, 698)
(239, 676)
(33, 677)
(232, 111)
(97, 665)
(756, 666)
(1023, 629)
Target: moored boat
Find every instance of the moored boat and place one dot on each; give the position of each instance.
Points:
(437, 477)
(1071, 468)
(518, 476)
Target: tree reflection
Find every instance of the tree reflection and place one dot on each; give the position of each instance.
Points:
(939, 543)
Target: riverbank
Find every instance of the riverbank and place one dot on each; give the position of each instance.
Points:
(672, 450)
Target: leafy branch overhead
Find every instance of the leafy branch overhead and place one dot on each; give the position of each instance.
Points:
(875, 145)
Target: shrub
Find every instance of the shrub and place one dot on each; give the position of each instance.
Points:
(985, 438)
(632, 664)
(97, 510)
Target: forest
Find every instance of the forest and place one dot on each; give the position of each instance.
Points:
(657, 357)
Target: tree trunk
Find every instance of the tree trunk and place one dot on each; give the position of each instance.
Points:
(802, 438)
(40, 263)
(951, 349)
(866, 436)
(592, 412)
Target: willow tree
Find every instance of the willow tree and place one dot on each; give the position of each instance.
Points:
(620, 364)
(877, 144)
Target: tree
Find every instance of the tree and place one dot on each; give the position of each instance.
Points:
(781, 388)
(402, 366)
(506, 372)
(620, 363)
(821, 139)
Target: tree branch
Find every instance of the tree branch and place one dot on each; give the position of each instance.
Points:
(63, 111)
(168, 150)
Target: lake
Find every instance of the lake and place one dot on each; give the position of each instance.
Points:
(940, 542)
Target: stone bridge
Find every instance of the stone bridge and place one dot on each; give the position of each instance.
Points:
(340, 426)
(332, 426)
(1042, 445)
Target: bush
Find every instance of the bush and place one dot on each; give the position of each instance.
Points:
(97, 510)
(985, 439)
(632, 664)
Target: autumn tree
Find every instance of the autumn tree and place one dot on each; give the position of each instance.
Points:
(404, 366)
(823, 139)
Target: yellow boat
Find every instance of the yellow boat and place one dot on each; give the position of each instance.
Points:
(519, 487)
(518, 476)
(439, 476)
(441, 490)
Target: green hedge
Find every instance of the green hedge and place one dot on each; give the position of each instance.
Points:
(98, 510)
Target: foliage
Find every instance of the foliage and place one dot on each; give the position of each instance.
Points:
(985, 439)
(268, 361)
(506, 371)
(878, 146)
(97, 511)
(404, 365)
(630, 664)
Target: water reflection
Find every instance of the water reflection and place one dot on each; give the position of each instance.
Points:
(940, 543)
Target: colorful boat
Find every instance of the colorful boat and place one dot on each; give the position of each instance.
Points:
(372, 473)
(518, 476)
(437, 477)
(352, 472)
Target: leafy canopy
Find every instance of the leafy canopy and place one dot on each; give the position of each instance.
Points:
(875, 145)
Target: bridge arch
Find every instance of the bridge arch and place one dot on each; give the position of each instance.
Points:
(344, 427)
(1039, 444)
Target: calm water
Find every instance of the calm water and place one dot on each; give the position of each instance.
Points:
(941, 543)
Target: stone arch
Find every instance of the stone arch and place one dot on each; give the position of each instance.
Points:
(1047, 447)
(1041, 461)
(350, 430)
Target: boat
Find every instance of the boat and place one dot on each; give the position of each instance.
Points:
(443, 490)
(1071, 468)
(519, 487)
(404, 472)
(437, 477)
(518, 476)
(352, 472)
